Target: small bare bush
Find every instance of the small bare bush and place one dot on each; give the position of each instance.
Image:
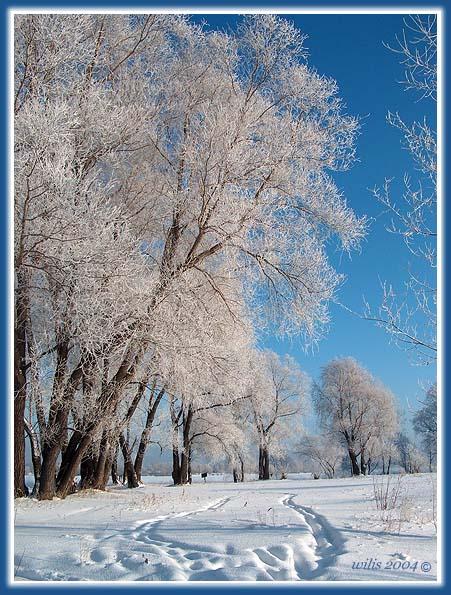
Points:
(392, 501)
(387, 491)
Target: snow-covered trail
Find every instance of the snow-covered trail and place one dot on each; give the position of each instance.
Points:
(272, 531)
(173, 547)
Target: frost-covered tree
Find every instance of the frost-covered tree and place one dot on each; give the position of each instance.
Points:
(154, 160)
(425, 424)
(278, 394)
(206, 375)
(223, 434)
(381, 452)
(322, 454)
(78, 267)
(354, 407)
(410, 315)
(380, 424)
(411, 459)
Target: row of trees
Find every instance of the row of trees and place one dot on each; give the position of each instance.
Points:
(356, 414)
(358, 419)
(360, 430)
(172, 196)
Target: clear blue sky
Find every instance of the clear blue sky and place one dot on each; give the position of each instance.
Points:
(350, 49)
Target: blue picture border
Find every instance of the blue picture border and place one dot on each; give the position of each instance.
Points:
(6, 355)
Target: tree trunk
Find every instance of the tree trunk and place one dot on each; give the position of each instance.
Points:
(66, 476)
(241, 469)
(87, 471)
(235, 475)
(185, 459)
(106, 403)
(266, 473)
(145, 436)
(69, 453)
(263, 458)
(388, 466)
(190, 475)
(353, 459)
(20, 385)
(107, 470)
(114, 475)
(35, 456)
(176, 475)
(363, 463)
(99, 481)
(47, 486)
(129, 469)
(57, 424)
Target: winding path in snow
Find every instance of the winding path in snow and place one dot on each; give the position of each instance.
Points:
(219, 531)
(329, 543)
(171, 547)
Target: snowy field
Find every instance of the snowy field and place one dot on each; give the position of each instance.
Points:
(278, 530)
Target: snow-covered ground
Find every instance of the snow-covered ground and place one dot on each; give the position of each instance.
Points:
(276, 530)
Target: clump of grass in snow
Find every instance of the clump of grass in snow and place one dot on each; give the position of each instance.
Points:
(387, 491)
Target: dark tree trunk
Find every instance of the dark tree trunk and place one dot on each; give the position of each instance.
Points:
(353, 459)
(129, 469)
(190, 475)
(69, 453)
(263, 465)
(35, 455)
(145, 436)
(87, 471)
(176, 475)
(57, 425)
(107, 403)
(389, 465)
(114, 474)
(363, 462)
(235, 475)
(107, 470)
(47, 486)
(266, 473)
(99, 481)
(241, 469)
(66, 476)
(20, 386)
(184, 464)
(106, 452)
